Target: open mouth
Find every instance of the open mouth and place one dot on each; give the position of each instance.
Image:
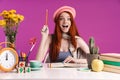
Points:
(65, 26)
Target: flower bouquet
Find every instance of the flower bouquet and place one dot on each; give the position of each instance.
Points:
(10, 23)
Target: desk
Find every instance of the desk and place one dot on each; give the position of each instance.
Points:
(59, 74)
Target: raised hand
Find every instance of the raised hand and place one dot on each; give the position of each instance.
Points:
(45, 31)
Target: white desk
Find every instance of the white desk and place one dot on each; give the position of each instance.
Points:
(59, 74)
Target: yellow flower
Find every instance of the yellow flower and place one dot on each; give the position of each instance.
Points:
(12, 19)
(12, 15)
(2, 23)
(12, 11)
(15, 19)
(21, 18)
(4, 12)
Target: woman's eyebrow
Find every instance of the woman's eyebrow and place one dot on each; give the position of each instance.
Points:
(67, 16)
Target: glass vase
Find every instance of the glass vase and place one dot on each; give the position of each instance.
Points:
(10, 39)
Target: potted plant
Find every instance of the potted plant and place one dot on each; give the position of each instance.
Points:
(94, 52)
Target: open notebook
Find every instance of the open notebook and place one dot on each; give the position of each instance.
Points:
(66, 65)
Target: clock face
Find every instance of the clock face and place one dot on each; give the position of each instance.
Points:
(8, 59)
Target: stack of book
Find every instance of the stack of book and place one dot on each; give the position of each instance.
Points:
(111, 62)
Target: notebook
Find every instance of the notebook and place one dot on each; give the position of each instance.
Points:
(66, 65)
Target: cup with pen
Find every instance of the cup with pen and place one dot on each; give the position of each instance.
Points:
(23, 56)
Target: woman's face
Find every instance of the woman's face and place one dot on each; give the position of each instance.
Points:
(65, 22)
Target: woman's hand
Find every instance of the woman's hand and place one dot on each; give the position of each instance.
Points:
(70, 59)
(45, 31)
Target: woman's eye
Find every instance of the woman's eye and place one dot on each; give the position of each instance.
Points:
(68, 19)
(61, 18)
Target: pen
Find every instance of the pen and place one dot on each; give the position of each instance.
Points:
(18, 53)
(31, 49)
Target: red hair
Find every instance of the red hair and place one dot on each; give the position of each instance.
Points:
(57, 36)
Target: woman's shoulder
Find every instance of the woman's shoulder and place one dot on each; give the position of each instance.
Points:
(78, 38)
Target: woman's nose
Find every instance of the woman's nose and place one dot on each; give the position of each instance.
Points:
(65, 21)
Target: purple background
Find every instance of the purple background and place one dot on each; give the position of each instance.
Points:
(97, 18)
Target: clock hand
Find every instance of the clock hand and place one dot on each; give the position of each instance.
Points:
(6, 56)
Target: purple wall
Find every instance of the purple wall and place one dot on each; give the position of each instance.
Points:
(97, 18)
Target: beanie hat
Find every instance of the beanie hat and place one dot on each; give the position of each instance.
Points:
(64, 8)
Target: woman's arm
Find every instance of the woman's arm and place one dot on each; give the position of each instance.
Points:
(44, 44)
(83, 45)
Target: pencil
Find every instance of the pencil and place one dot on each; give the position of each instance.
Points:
(46, 20)
(49, 65)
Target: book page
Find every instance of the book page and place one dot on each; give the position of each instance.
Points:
(102, 57)
(115, 55)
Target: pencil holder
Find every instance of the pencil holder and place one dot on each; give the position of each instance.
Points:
(24, 59)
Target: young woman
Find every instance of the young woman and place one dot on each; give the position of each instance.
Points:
(63, 44)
